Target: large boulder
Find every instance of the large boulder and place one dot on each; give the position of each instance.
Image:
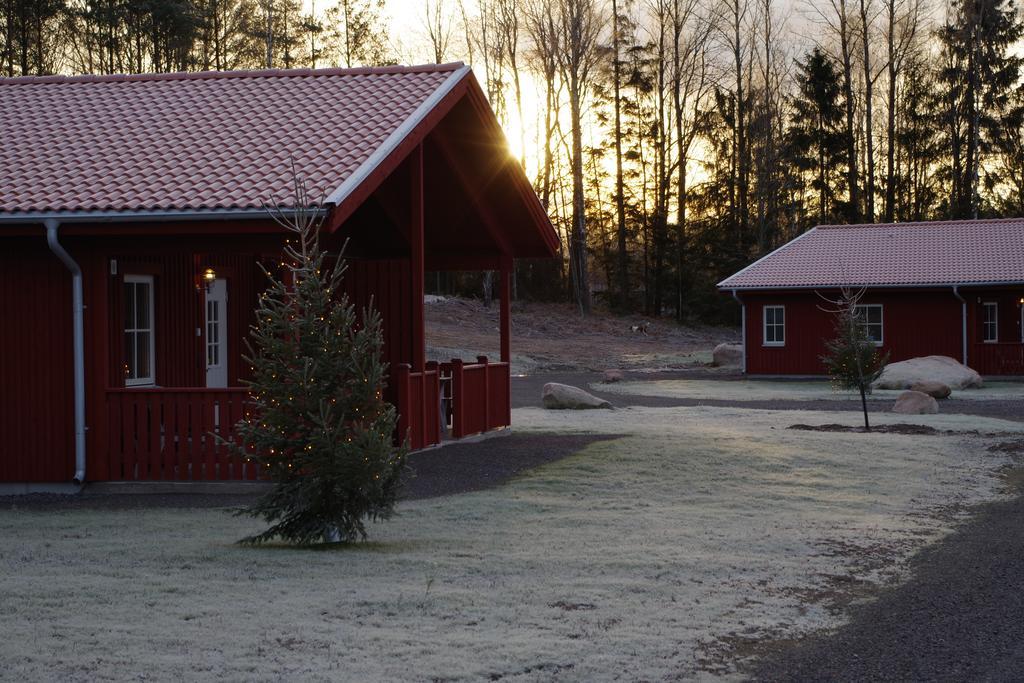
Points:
(906, 373)
(562, 396)
(728, 355)
(915, 403)
(933, 389)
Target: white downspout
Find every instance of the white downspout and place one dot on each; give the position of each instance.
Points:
(963, 318)
(743, 328)
(77, 307)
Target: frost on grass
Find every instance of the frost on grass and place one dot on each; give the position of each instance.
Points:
(769, 390)
(636, 559)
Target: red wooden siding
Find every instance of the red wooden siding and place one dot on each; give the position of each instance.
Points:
(178, 314)
(387, 284)
(1006, 356)
(36, 398)
(914, 324)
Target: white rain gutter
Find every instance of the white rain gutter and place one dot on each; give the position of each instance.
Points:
(963, 317)
(77, 306)
(397, 136)
(743, 327)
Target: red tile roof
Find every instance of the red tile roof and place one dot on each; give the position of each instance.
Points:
(893, 254)
(206, 141)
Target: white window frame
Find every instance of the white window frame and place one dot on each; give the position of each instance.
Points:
(864, 323)
(151, 379)
(764, 325)
(985, 323)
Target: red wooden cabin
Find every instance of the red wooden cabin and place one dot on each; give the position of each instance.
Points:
(132, 219)
(953, 288)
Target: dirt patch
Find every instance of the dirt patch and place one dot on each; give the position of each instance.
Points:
(901, 428)
(547, 337)
(1008, 447)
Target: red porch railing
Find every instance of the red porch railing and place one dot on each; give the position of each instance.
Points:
(480, 399)
(417, 397)
(167, 434)
(1002, 358)
(456, 397)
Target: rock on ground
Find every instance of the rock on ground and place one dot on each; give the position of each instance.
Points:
(904, 374)
(915, 403)
(933, 389)
(728, 355)
(562, 396)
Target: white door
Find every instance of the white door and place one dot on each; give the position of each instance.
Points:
(216, 334)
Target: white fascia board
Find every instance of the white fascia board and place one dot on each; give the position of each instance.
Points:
(397, 136)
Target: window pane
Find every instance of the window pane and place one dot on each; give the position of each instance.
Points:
(142, 306)
(129, 355)
(142, 368)
(129, 305)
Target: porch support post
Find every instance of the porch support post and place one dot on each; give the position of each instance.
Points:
(506, 309)
(416, 255)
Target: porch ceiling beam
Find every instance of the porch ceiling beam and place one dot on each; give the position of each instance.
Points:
(389, 202)
(474, 188)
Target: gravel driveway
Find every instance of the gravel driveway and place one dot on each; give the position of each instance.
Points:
(526, 391)
(958, 618)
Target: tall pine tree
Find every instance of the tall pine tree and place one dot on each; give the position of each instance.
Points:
(981, 72)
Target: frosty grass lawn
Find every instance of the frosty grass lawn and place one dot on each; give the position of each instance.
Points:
(769, 390)
(635, 559)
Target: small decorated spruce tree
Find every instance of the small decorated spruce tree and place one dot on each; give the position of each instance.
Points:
(851, 358)
(318, 426)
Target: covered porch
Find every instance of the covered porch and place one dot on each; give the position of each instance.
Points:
(425, 216)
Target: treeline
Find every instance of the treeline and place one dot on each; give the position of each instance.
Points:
(135, 36)
(728, 127)
(672, 141)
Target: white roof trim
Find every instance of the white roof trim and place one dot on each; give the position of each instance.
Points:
(391, 143)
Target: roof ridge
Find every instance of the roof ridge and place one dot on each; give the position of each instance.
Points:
(917, 224)
(253, 73)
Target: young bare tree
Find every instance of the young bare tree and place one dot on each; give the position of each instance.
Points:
(851, 358)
